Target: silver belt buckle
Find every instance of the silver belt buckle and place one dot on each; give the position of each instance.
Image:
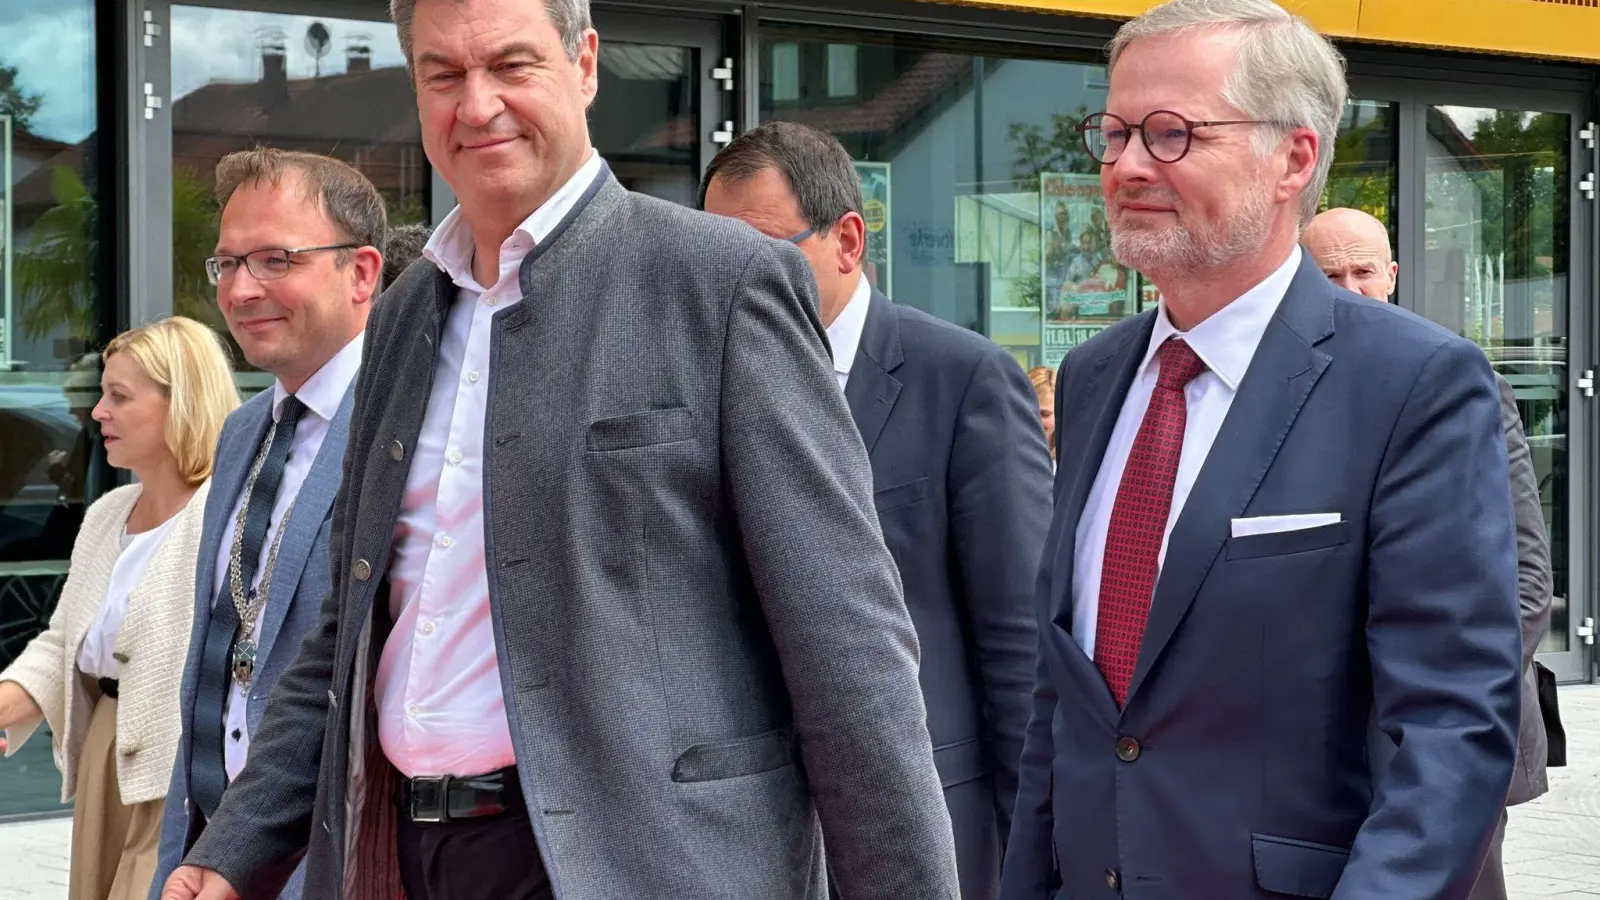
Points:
(437, 787)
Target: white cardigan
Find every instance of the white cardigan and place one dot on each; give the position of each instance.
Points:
(152, 647)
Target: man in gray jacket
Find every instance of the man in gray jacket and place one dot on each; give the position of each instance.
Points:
(1352, 248)
(612, 616)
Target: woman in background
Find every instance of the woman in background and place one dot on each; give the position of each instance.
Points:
(1044, 387)
(122, 624)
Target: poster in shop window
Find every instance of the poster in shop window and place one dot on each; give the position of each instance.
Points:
(1084, 288)
(875, 209)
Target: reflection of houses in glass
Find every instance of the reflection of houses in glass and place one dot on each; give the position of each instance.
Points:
(365, 116)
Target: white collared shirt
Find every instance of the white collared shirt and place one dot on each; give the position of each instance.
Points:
(440, 706)
(322, 393)
(1226, 342)
(844, 335)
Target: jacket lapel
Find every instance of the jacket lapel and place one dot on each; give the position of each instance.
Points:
(1094, 414)
(1286, 366)
(870, 390)
(311, 507)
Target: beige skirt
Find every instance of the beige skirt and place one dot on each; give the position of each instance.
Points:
(113, 846)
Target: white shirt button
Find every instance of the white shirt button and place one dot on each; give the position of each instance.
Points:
(490, 300)
(412, 710)
(427, 628)
(444, 540)
(455, 457)
(473, 377)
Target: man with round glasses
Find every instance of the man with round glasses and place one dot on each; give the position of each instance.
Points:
(1278, 620)
(296, 269)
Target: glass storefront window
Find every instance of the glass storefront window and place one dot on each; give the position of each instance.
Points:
(52, 309)
(1495, 255)
(245, 77)
(982, 205)
(1365, 172)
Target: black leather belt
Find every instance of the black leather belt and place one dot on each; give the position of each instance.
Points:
(443, 798)
(108, 687)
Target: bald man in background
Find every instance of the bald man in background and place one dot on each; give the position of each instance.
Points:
(1352, 249)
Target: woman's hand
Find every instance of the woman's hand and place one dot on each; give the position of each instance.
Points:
(16, 705)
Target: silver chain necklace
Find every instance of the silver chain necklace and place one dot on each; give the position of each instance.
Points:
(248, 604)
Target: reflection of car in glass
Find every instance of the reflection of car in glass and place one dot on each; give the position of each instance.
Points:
(43, 457)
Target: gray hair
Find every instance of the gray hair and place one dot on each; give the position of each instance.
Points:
(571, 18)
(818, 168)
(1286, 74)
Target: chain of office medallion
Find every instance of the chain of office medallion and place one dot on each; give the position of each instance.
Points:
(250, 608)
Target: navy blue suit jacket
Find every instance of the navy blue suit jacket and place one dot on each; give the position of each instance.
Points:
(1329, 712)
(961, 479)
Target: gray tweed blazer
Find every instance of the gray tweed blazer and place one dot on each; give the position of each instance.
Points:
(707, 660)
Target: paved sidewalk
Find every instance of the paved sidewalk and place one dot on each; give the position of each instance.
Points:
(1552, 844)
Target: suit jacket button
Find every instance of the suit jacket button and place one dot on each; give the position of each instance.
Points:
(397, 450)
(363, 570)
(120, 657)
(1113, 880)
(1127, 749)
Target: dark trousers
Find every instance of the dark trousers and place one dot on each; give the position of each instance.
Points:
(486, 858)
(1492, 880)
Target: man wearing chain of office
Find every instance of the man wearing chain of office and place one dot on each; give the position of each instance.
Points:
(297, 266)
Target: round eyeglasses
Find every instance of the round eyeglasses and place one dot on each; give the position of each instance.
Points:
(1167, 135)
(264, 265)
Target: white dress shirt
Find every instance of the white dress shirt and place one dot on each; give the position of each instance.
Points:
(844, 335)
(440, 706)
(96, 654)
(1225, 342)
(322, 393)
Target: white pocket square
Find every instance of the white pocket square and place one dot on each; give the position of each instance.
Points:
(1277, 524)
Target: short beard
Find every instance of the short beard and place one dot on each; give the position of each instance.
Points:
(1179, 249)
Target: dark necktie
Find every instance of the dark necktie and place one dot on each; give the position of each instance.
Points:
(208, 773)
(1139, 520)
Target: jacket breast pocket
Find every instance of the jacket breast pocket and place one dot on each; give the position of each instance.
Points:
(641, 429)
(718, 760)
(1297, 868)
(1282, 543)
(901, 495)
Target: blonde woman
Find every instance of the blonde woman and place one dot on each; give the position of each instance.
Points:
(105, 674)
(1044, 387)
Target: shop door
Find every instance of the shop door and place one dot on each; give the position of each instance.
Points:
(1488, 213)
(664, 103)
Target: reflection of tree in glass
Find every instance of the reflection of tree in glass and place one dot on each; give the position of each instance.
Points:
(14, 102)
(1357, 180)
(1060, 149)
(1520, 203)
(1036, 149)
(54, 272)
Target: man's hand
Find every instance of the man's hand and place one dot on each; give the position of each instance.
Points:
(195, 883)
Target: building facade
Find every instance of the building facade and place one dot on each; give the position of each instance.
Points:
(1470, 133)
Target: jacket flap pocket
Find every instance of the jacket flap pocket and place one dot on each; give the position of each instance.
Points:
(642, 429)
(716, 760)
(1282, 543)
(901, 495)
(960, 762)
(1297, 868)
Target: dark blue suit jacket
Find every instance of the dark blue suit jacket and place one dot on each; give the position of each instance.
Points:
(1275, 667)
(961, 476)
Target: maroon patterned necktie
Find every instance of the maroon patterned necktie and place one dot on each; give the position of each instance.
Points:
(1139, 520)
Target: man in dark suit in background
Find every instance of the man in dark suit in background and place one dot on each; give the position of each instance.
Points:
(961, 474)
(1352, 249)
(1283, 530)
